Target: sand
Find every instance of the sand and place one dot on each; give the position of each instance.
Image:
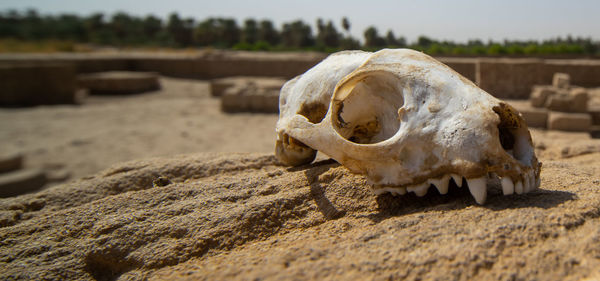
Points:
(210, 214)
(87, 138)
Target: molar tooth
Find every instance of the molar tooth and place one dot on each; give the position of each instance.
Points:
(441, 184)
(477, 187)
(379, 191)
(457, 179)
(519, 187)
(397, 190)
(419, 189)
(508, 187)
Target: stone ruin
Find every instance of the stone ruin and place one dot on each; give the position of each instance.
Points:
(248, 94)
(119, 82)
(15, 180)
(561, 106)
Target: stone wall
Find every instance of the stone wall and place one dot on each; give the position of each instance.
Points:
(501, 77)
(39, 83)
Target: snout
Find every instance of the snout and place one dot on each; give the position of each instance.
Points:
(291, 152)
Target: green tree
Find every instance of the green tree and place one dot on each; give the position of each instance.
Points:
(425, 42)
(372, 38)
(180, 30)
(327, 35)
(267, 33)
(250, 32)
(297, 34)
(152, 27)
(346, 25)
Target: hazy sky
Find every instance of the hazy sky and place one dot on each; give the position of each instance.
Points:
(457, 20)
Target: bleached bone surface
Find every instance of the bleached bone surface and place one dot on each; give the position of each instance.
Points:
(407, 122)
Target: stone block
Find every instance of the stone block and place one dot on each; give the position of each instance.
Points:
(535, 117)
(574, 100)
(250, 99)
(580, 99)
(21, 182)
(508, 78)
(11, 162)
(595, 131)
(540, 95)
(218, 86)
(37, 83)
(578, 122)
(595, 113)
(119, 82)
(561, 80)
(582, 72)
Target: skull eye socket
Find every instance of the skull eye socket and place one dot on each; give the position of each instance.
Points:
(513, 134)
(365, 109)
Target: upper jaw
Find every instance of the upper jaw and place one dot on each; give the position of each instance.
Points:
(521, 180)
(289, 151)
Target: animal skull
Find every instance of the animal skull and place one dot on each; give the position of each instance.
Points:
(406, 121)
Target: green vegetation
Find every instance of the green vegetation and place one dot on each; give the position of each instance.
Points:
(31, 32)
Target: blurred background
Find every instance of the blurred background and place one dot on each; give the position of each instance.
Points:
(87, 84)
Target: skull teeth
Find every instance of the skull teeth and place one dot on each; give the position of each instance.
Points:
(508, 187)
(477, 186)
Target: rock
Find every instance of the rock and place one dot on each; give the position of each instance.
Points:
(595, 131)
(595, 113)
(574, 100)
(218, 86)
(250, 98)
(243, 217)
(11, 162)
(534, 117)
(579, 98)
(119, 82)
(561, 80)
(540, 94)
(20, 182)
(569, 121)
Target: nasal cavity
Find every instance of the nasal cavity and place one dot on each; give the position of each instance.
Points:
(366, 108)
(513, 133)
(314, 112)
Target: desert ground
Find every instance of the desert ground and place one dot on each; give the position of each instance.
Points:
(104, 130)
(163, 186)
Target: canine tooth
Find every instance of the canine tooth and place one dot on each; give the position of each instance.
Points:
(441, 184)
(538, 181)
(519, 187)
(508, 187)
(531, 181)
(526, 183)
(457, 179)
(419, 189)
(534, 183)
(477, 187)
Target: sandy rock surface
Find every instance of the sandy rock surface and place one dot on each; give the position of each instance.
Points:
(243, 217)
(225, 216)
